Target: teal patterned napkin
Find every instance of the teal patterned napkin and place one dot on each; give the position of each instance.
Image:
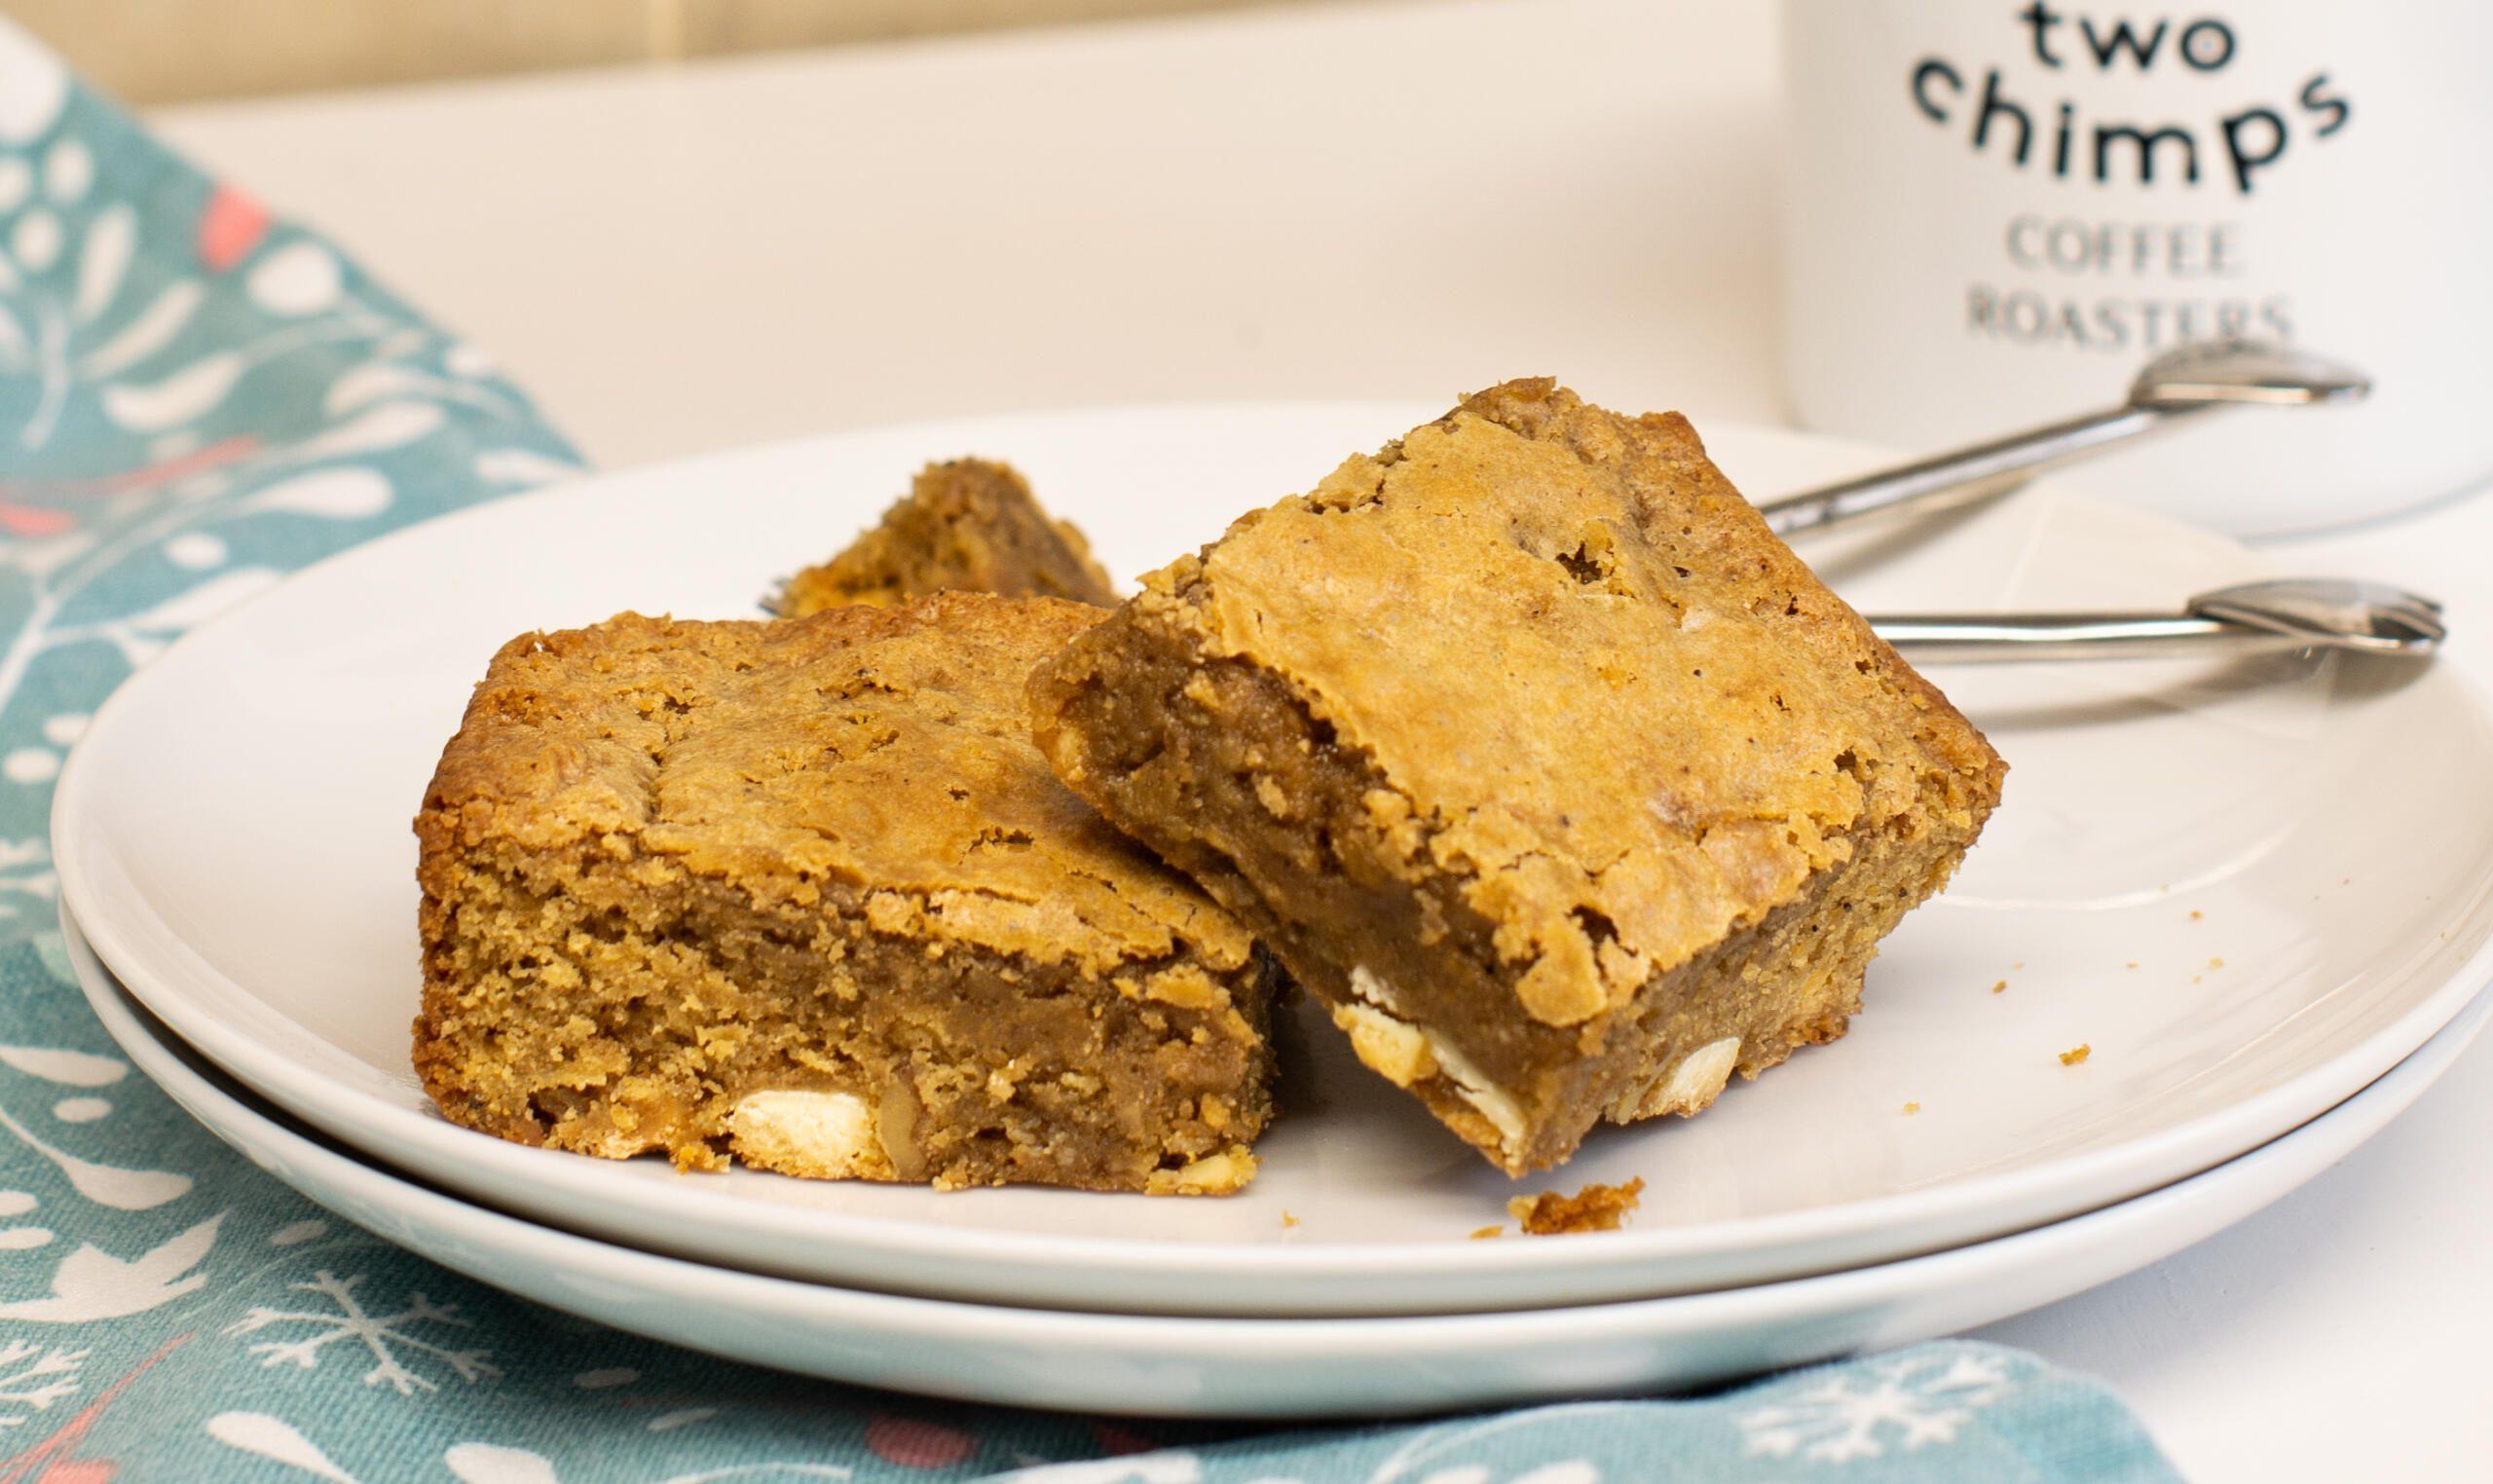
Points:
(196, 399)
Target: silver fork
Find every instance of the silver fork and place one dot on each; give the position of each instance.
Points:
(2254, 617)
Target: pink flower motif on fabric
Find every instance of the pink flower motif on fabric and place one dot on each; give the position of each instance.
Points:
(915, 1444)
(230, 226)
(30, 520)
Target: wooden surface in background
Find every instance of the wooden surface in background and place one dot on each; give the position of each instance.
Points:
(176, 51)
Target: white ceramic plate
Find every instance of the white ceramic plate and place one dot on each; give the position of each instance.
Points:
(232, 834)
(1208, 1367)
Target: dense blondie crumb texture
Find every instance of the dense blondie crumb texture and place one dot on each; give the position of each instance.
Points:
(806, 895)
(1593, 1209)
(1537, 758)
(967, 526)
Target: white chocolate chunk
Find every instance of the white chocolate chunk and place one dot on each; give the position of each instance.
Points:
(1489, 1100)
(1697, 1080)
(1215, 1175)
(821, 1135)
(1393, 1050)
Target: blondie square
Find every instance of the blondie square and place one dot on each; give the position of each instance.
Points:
(1562, 783)
(803, 894)
(967, 526)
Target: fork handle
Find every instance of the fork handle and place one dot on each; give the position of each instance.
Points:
(1968, 474)
(2004, 638)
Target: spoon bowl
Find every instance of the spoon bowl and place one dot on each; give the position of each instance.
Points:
(2244, 372)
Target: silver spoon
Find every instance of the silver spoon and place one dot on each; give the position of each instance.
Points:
(2291, 613)
(2175, 385)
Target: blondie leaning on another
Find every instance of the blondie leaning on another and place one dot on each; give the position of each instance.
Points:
(1537, 758)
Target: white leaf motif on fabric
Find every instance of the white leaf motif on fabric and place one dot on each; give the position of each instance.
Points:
(599, 1381)
(380, 427)
(383, 1336)
(348, 492)
(682, 1416)
(196, 550)
(272, 1439)
(1906, 1404)
(33, 86)
(520, 466)
(32, 1377)
(69, 1068)
(116, 1186)
(299, 278)
(373, 381)
(487, 1464)
(112, 240)
(68, 171)
(93, 1285)
(148, 332)
(185, 396)
(37, 240)
(31, 764)
(1164, 1467)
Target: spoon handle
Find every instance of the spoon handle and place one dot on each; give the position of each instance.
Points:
(2005, 637)
(1968, 474)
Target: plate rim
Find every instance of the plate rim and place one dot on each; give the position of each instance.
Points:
(356, 1116)
(1272, 1339)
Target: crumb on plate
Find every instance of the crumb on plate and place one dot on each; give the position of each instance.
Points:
(1999, 989)
(1912, 1108)
(1487, 1232)
(1594, 1209)
(2076, 1053)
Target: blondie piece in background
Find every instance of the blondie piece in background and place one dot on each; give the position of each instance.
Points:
(806, 894)
(965, 526)
(1537, 758)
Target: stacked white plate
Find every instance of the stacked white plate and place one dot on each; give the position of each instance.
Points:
(2234, 888)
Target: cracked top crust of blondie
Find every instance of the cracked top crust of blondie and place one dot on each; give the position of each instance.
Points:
(886, 748)
(1501, 611)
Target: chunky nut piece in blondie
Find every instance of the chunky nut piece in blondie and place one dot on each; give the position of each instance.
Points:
(967, 526)
(1537, 758)
(804, 893)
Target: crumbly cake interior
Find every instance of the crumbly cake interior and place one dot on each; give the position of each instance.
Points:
(1538, 758)
(969, 525)
(803, 894)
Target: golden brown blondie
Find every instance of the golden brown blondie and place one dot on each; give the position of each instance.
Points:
(967, 526)
(1537, 758)
(806, 895)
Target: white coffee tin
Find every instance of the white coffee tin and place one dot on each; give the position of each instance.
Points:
(1998, 211)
